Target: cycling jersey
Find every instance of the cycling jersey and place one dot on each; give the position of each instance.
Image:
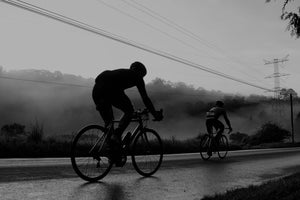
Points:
(215, 113)
(212, 119)
(109, 91)
(120, 80)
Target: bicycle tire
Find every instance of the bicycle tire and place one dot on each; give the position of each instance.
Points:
(147, 152)
(222, 147)
(84, 160)
(205, 145)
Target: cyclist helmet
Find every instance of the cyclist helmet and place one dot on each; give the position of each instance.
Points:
(139, 68)
(220, 103)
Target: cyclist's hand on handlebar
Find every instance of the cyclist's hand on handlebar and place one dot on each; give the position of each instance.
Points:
(158, 115)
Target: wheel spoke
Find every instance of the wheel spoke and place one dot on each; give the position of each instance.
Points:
(147, 152)
(223, 147)
(89, 155)
(205, 145)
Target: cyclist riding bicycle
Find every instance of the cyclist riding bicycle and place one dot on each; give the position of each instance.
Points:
(108, 91)
(212, 120)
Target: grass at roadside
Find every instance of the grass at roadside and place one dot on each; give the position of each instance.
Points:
(60, 146)
(45, 148)
(286, 188)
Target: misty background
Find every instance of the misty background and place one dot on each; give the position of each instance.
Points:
(62, 104)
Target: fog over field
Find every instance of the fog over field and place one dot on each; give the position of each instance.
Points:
(63, 109)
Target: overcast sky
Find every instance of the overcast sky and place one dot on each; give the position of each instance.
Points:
(233, 37)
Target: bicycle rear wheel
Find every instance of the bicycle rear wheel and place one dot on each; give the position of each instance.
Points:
(147, 152)
(89, 153)
(223, 147)
(205, 145)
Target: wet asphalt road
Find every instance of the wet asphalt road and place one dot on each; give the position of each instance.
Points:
(183, 176)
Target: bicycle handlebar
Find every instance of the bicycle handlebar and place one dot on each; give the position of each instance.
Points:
(140, 112)
(143, 112)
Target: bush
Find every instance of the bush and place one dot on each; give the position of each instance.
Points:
(269, 132)
(239, 138)
(36, 133)
(13, 130)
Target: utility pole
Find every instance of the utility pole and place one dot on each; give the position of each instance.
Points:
(292, 118)
(276, 75)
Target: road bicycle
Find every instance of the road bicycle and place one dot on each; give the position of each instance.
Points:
(91, 149)
(209, 145)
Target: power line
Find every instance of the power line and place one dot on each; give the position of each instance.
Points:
(185, 31)
(168, 22)
(89, 87)
(149, 25)
(163, 32)
(120, 39)
(45, 82)
(155, 28)
(83, 86)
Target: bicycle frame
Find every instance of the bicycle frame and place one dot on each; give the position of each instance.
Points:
(144, 145)
(214, 132)
(140, 126)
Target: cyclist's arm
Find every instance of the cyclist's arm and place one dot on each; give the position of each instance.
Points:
(227, 120)
(148, 103)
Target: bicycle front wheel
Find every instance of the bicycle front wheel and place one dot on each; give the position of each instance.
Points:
(205, 147)
(147, 152)
(223, 147)
(89, 153)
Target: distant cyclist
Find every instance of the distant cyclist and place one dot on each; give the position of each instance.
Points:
(109, 91)
(212, 121)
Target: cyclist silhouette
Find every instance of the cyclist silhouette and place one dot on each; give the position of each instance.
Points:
(108, 91)
(212, 120)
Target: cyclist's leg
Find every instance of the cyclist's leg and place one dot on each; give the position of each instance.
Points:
(122, 102)
(103, 104)
(105, 109)
(220, 129)
(209, 128)
(106, 112)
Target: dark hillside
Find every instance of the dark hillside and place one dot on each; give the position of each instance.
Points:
(63, 109)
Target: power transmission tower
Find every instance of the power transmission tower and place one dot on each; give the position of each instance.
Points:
(277, 106)
(276, 75)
